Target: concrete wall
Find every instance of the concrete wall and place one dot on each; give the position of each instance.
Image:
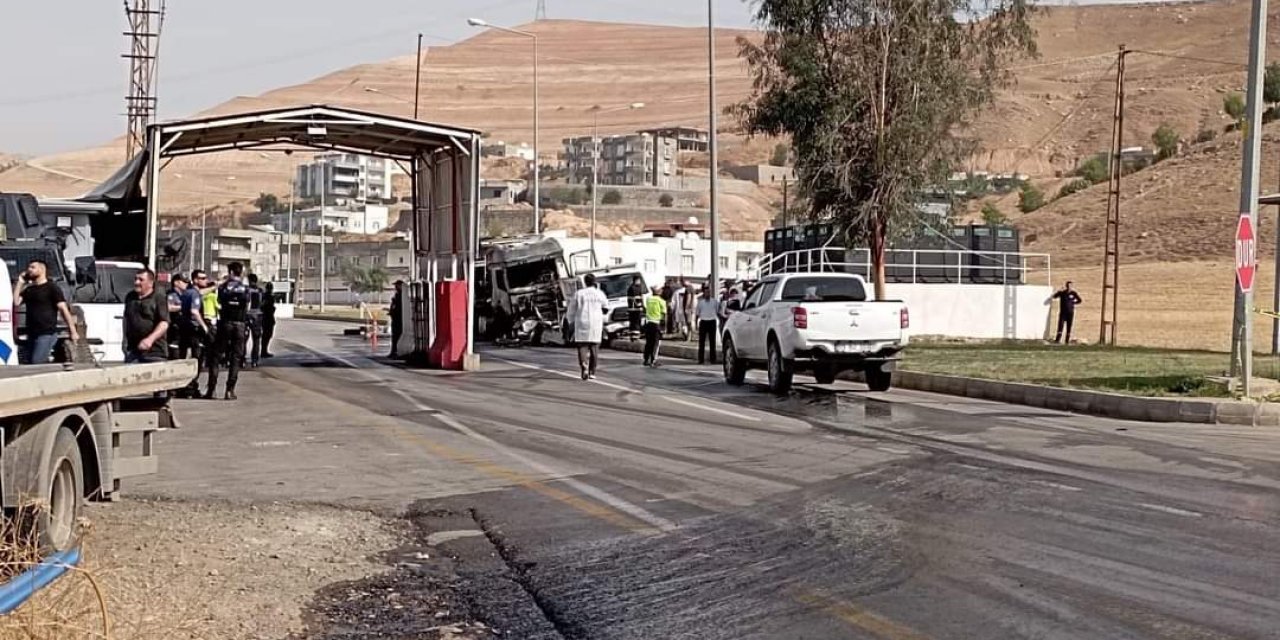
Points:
(975, 310)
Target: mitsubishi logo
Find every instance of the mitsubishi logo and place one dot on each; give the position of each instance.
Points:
(853, 319)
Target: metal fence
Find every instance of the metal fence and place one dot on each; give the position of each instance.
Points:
(918, 265)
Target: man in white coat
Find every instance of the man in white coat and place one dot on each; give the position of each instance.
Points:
(587, 311)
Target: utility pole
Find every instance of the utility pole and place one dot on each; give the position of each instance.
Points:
(712, 146)
(1111, 243)
(784, 202)
(145, 24)
(417, 79)
(324, 283)
(1242, 322)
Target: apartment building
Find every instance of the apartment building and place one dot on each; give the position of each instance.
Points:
(346, 177)
(630, 160)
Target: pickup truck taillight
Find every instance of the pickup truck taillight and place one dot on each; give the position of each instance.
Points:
(800, 317)
(905, 318)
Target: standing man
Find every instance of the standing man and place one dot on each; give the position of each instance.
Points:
(635, 306)
(254, 318)
(1067, 301)
(587, 311)
(655, 312)
(193, 333)
(146, 320)
(708, 314)
(396, 311)
(233, 300)
(45, 302)
(268, 319)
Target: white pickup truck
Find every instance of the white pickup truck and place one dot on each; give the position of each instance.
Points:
(822, 323)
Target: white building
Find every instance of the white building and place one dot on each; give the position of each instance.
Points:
(502, 149)
(346, 177)
(367, 219)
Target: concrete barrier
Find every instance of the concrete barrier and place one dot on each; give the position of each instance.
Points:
(1110, 405)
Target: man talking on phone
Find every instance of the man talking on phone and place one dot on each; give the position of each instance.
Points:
(44, 302)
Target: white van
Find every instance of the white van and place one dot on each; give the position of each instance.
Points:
(102, 303)
(8, 341)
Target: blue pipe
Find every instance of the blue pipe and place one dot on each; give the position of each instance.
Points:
(20, 589)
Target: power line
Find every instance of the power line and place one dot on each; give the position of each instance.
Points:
(1079, 105)
(1175, 56)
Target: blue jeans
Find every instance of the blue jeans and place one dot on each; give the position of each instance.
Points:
(38, 349)
(134, 356)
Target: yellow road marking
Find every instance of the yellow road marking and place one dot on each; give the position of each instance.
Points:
(858, 617)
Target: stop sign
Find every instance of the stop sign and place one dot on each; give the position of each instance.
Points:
(1246, 253)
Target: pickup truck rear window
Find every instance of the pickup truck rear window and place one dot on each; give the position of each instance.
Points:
(823, 290)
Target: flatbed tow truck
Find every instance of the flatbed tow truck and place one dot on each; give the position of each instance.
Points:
(70, 433)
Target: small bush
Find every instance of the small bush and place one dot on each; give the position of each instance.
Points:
(992, 215)
(1205, 135)
(612, 196)
(1233, 104)
(1030, 198)
(1075, 186)
(665, 200)
(1166, 141)
(1094, 169)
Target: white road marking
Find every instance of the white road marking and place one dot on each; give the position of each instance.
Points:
(1057, 485)
(565, 374)
(441, 537)
(662, 524)
(1173, 510)
(707, 407)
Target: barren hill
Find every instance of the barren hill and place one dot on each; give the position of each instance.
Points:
(1058, 111)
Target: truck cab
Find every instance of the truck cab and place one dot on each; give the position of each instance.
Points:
(99, 294)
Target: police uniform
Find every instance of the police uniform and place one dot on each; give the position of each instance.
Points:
(254, 317)
(233, 300)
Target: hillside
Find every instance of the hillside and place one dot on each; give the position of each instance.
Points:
(1058, 111)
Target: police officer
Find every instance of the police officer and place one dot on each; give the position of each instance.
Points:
(255, 320)
(268, 320)
(233, 300)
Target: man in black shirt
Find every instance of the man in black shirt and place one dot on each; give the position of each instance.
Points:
(1067, 301)
(44, 301)
(254, 318)
(233, 299)
(146, 320)
(397, 317)
(268, 319)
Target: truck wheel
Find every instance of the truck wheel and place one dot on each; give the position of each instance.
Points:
(56, 521)
(780, 373)
(536, 339)
(824, 373)
(878, 379)
(735, 369)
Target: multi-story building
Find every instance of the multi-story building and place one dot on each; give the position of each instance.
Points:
(687, 138)
(365, 219)
(631, 160)
(214, 248)
(393, 256)
(346, 177)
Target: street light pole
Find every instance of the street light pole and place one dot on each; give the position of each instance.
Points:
(712, 144)
(288, 257)
(537, 165)
(324, 282)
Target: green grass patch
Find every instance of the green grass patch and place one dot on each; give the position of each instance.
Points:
(1136, 371)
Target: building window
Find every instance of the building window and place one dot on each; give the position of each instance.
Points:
(311, 263)
(615, 261)
(724, 262)
(356, 261)
(401, 260)
(686, 264)
(650, 265)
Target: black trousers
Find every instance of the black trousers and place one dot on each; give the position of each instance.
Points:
(228, 344)
(1065, 320)
(633, 319)
(707, 336)
(652, 339)
(397, 330)
(192, 343)
(588, 356)
(255, 331)
(268, 332)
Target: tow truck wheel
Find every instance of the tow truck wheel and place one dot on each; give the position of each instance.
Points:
(56, 520)
(824, 373)
(878, 379)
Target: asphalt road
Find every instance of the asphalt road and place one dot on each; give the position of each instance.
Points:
(660, 503)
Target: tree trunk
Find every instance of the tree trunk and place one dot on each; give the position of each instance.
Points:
(877, 258)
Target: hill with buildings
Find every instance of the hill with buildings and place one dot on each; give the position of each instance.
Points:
(1057, 112)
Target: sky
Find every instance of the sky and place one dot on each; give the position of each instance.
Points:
(62, 80)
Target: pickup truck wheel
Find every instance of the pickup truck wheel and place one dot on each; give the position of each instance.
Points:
(780, 373)
(824, 373)
(735, 369)
(56, 520)
(878, 379)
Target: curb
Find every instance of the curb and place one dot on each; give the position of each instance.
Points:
(1097, 403)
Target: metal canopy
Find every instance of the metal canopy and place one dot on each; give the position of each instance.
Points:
(315, 126)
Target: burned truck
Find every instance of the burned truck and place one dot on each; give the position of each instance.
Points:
(522, 295)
